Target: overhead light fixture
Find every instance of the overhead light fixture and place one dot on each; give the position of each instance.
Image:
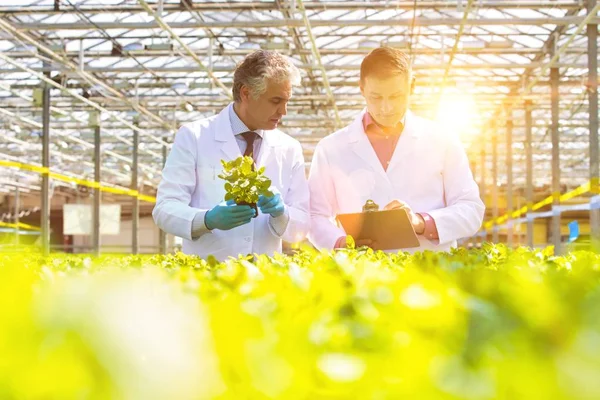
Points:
(188, 106)
(136, 46)
(368, 44)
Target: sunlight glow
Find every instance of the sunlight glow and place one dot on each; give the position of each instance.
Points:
(459, 113)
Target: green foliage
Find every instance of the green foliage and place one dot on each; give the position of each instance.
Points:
(242, 182)
(493, 323)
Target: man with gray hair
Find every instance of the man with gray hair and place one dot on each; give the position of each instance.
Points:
(190, 200)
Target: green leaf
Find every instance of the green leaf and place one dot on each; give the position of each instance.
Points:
(350, 242)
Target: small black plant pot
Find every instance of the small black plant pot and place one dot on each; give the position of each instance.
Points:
(252, 205)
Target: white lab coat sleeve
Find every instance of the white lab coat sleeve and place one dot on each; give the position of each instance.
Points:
(464, 211)
(324, 233)
(296, 200)
(172, 212)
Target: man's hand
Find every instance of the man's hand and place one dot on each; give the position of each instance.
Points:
(271, 205)
(228, 216)
(415, 219)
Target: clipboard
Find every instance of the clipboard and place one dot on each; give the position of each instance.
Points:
(390, 229)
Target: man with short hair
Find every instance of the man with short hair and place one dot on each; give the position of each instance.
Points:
(399, 160)
(190, 195)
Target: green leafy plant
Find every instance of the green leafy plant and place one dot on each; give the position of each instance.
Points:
(243, 183)
(347, 324)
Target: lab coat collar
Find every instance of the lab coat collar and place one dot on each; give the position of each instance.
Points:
(357, 131)
(230, 147)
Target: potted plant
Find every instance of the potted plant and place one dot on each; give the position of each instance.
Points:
(243, 183)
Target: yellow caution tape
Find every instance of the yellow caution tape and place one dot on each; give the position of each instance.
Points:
(65, 178)
(20, 225)
(585, 188)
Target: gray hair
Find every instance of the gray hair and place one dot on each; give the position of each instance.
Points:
(260, 66)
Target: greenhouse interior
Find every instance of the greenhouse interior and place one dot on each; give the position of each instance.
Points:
(94, 289)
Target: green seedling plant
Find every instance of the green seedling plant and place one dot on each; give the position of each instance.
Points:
(243, 183)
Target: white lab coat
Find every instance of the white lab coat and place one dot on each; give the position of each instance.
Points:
(190, 185)
(429, 170)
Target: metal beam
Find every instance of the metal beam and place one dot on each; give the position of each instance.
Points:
(317, 57)
(162, 235)
(456, 41)
(97, 178)
(494, 182)
(529, 170)
(482, 168)
(46, 79)
(135, 213)
(509, 178)
(74, 68)
(63, 113)
(549, 44)
(202, 52)
(174, 35)
(45, 214)
(282, 23)
(554, 79)
(216, 6)
(328, 67)
(17, 216)
(589, 18)
(592, 36)
(297, 37)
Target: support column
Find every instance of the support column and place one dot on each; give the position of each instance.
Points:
(529, 170)
(135, 213)
(45, 214)
(17, 217)
(162, 235)
(494, 183)
(592, 36)
(554, 78)
(96, 208)
(482, 187)
(509, 178)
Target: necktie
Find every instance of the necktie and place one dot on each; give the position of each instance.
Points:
(249, 137)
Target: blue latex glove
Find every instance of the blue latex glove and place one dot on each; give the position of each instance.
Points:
(271, 205)
(228, 216)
